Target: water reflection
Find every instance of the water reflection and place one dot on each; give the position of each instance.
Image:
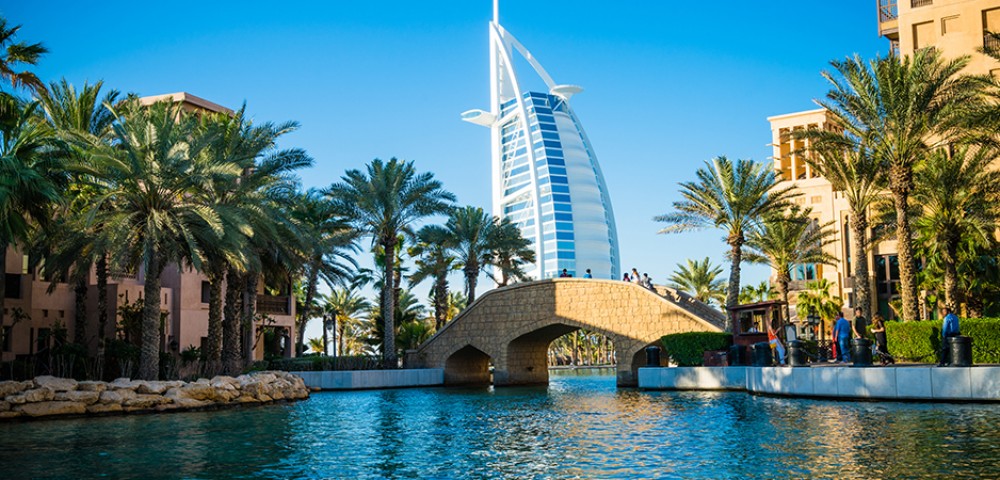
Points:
(579, 426)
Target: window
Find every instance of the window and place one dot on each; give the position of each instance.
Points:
(949, 25)
(13, 286)
(921, 3)
(806, 272)
(923, 35)
(206, 292)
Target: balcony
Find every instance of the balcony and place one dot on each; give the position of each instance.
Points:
(274, 304)
(887, 10)
(921, 3)
(990, 42)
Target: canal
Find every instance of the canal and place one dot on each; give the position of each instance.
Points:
(580, 426)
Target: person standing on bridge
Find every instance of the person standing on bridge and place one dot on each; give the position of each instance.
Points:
(587, 274)
(635, 276)
(564, 274)
(625, 278)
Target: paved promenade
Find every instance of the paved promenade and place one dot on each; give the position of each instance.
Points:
(908, 382)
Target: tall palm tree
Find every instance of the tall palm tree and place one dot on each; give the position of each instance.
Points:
(383, 202)
(902, 109)
(854, 171)
(14, 55)
(700, 280)
(456, 303)
(509, 251)
(957, 196)
(155, 179)
(29, 181)
(788, 239)
(346, 308)
(756, 293)
(732, 196)
(434, 261)
(82, 121)
(329, 240)
(469, 228)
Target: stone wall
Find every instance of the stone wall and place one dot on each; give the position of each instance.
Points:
(47, 396)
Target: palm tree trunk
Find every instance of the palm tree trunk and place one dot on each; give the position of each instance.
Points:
(311, 284)
(213, 351)
(862, 284)
(388, 312)
(471, 278)
(231, 323)
(102, 312)
(782, 287)
(733, 294)
(951, 273)
(80, 315)
(326, 339)
(149, 354)
(907, 272)
(341, 328)
(3, 281)
(440, 301)
(249, 305)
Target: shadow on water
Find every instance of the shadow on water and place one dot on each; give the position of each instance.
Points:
(579, 426)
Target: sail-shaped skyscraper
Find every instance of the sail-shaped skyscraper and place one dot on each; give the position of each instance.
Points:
(546, 178)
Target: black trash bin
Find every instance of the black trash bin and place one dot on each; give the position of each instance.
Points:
(961, 351)
(762, 354)
(736, 356)
(653, 356)
(861, 352)
(797, 354)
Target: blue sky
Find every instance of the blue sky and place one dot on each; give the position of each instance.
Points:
(667, 84)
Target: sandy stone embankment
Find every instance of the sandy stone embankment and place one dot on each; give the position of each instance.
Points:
(47, 396)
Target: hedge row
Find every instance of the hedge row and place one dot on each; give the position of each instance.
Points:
(688, 349)
(921, 341)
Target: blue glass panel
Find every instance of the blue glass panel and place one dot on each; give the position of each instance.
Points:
(569, 245)
(564, 226)
(561, 180)
(557, 171)
(560, 188)
(560, 198)
(548, 126)
(564, 255)
(562, 207)
(520, 170)
(553, 152)
(546, 218)
(549, 256)
(550, 136)
(567, 217)
(546, 198)
(550, 236)
(564, 236)
(557, 161)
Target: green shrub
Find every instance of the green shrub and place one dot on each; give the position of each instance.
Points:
(688, 349)
(318, 363)
(921, 341)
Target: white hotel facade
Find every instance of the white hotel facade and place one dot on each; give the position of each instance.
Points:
(546, 178)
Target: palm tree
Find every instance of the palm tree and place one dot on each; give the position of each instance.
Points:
(384, 202)
(700, 280)
(509, 251)
(456, 303)
(957, 196)
(786, 240)
(317, 345)
(733, 197)
(82, 121)
(155, 179)
(902, 109)
(816, 300)
(328, 240)
(434, 261)
(756, 293)
(29, 182)
(345, 308)
(13, 55)
(855, 172)
(469, 228)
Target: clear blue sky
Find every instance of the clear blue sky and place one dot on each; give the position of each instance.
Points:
(668, 84)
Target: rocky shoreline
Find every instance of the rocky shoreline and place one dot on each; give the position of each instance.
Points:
(48, 397)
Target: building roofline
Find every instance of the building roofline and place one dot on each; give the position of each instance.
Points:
(184, 97)
(796, 114)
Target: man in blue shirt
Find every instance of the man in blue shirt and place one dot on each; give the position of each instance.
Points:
(949, 328)
(842, 333)
(588, 275)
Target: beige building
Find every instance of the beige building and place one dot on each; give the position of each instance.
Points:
(184, 291)
(956, 27)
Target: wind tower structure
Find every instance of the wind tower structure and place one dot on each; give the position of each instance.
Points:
(546, 178)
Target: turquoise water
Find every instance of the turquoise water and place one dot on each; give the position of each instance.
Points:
(577, 427)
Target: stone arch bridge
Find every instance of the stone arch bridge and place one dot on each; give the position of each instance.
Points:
(512, 327)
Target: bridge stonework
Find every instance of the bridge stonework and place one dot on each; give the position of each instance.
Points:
(513, 326)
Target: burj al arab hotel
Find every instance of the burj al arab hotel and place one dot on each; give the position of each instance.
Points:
(546, 178)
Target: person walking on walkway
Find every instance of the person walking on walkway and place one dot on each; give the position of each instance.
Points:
(860, 324)
(772, 338)
(949, 328)
(881, 344)
(842, 333)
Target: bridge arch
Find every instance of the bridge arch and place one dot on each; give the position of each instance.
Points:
(513, 327)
